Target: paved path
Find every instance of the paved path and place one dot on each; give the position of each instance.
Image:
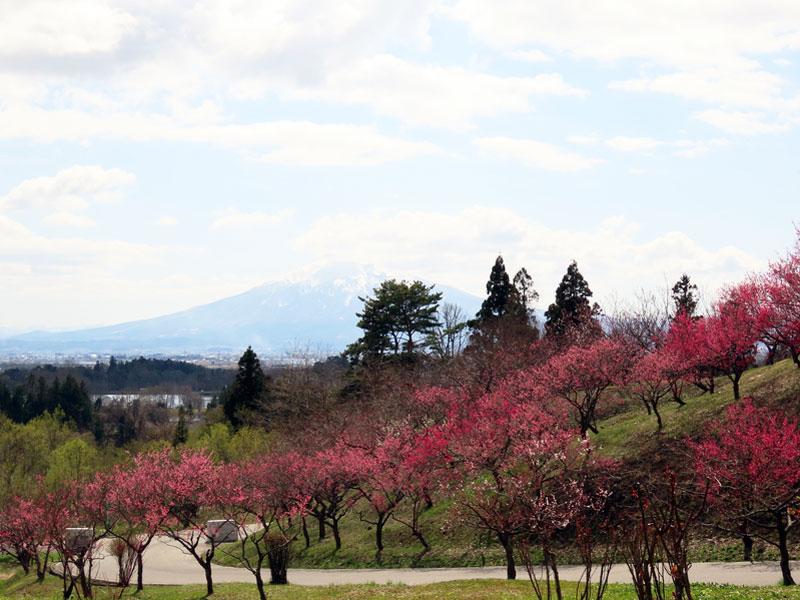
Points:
(166, 563)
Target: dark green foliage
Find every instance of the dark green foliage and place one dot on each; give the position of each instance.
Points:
(181, 435)
(506, 298)
(121, 376)
(397, 321)
(683, 296)
(571, 306)
(37, 398)
(246, 393)
(500, 293)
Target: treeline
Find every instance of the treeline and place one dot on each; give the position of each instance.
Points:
(126, 376)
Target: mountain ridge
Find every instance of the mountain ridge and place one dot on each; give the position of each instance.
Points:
(318, 311)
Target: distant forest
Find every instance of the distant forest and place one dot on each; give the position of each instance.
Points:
(126, 376)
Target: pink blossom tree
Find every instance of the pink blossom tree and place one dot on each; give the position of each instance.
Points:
(192, 492)
(131, 497)
(580, 376)
(653, 377)
(779, 307)
(261, 496)
(29, 528)
(751, 463)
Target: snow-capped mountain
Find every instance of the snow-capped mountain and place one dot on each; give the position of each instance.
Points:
(316, 312)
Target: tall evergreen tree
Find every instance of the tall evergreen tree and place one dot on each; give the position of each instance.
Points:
(500, 293)
(524, 297)
(247, 390)
(181, 433)
(683, 296)
(571, 305)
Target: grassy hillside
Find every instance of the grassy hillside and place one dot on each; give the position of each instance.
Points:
(627, 434)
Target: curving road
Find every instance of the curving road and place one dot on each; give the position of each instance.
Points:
(166, 563)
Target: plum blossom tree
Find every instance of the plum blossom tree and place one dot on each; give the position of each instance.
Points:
(192, 492)
(579, 377)
(262, 491)
(723, 342)
(130, 497)
(751, 463)
(29, 527)
(779, 308)
(653, 377)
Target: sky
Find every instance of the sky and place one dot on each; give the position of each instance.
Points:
(160, 155)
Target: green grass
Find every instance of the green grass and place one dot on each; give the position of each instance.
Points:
(451, 547)
(633, 432)
(18, 587)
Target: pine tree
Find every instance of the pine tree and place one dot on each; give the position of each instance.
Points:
(500, 292)
(181, 435)
(397, 321)
(683, 296)
(524, 296)
(246, 391)
(571, 306)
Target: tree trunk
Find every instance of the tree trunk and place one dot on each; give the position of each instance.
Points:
(511, 569)
(418, 534)
(784, 550)
(139, 572)
(321, 521)
(260, 584)
(336, 537)
(735, 380)
(209, 582)
(379, 534)
(747, 542)
(658, 417)
(306, 537)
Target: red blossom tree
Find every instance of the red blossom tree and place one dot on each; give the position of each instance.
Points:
(329, 479)
(517, 469)
(751, 463)
(654, 376)
(130, 499)
(260, 498)
(193, 491)
(778, 306)
(29, 528)
(724, 342)
(581, 375)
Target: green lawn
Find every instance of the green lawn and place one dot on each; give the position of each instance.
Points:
(17, 587)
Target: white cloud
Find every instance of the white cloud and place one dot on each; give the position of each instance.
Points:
(69, 190)
(165, 221)
(537, 154)
(234, 218)
(449, 97)
(530, 56)
(69, 220)
(708, 47)
(19, 242)
(737, 122)
(782, 62)
(633, 144)
(744, 86)
(297, 142)
(58, 28)
(685, 34)
(610, 256)
(685, 148)
(588, 140)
